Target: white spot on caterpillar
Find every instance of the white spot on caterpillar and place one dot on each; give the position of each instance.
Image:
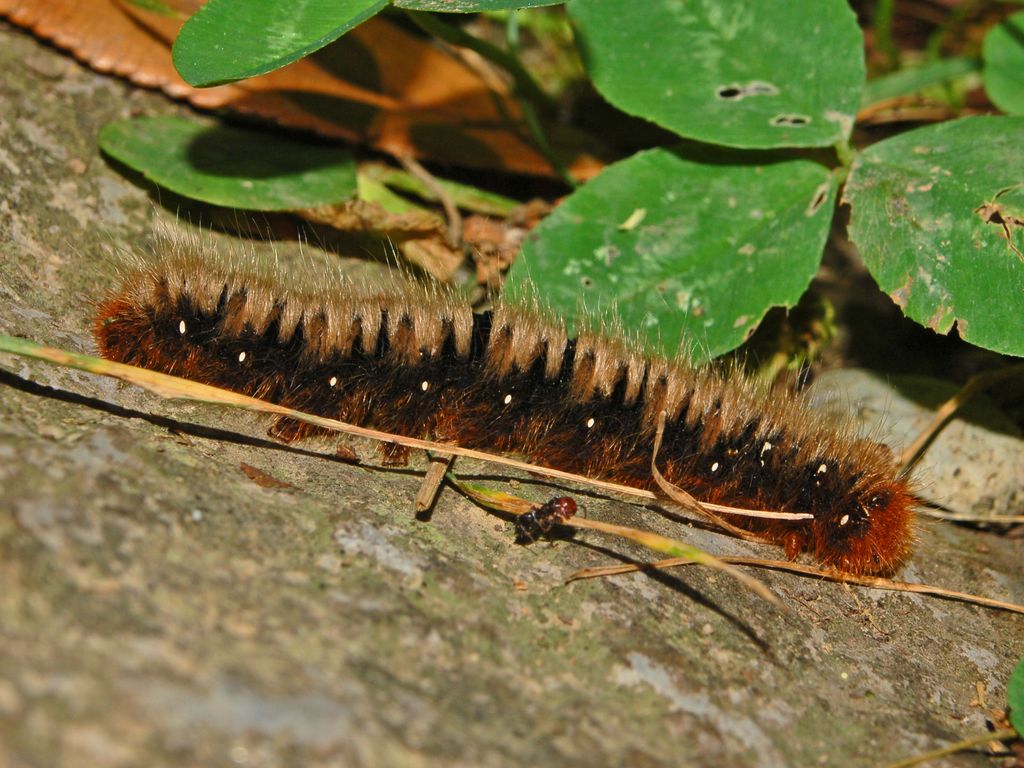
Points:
(822, 469)
(181, 327)
(766, 447)
(425, 386)
(333, 381)
(241, 357)
(844, 519)
(714, 467)
(507, 400)
(591, 422)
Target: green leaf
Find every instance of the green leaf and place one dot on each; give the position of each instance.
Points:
(927, 206)
(683, 248)
(472, 6)
(230, 166)
(373, 191)
(911, 80)
(759, 74)
(1015, 698)
(1004, 64)
(464, 196)
(228, 40)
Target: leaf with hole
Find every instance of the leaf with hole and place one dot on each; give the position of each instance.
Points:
(683, 247)
(759, 74)
(230, 166)
(938, 215)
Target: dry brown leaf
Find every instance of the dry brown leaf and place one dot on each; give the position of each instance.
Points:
(400, 94)
(421, 236)
(495, 243)
(347, 453)
(372, 219)
(261, 478)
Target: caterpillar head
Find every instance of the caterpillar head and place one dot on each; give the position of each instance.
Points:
(869, 534)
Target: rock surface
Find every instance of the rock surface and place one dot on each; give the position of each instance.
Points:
(158, 607)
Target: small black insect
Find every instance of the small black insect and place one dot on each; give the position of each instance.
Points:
(541, 521)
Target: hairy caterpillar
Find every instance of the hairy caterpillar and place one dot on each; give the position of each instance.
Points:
(419, 362)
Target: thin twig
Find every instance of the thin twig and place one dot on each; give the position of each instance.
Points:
(504, 502)
(683, 498)
(945, 412)
(966, 517)
(872, 582)
(451, 210)
(697, 556)
(1004, 735)
(431, 483)
(173, 387)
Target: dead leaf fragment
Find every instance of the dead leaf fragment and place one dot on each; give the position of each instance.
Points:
(379, 85)
(420, 236)
(994, 213)
(261, 478)
(495, 243)
(347, 453)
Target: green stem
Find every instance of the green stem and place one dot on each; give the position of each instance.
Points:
(846, 153)
(512, 32)
(955, 17)
(465, 196)
(532, 100)
(541, 140)
(883, 31)
(933, 50)
(525, 85)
